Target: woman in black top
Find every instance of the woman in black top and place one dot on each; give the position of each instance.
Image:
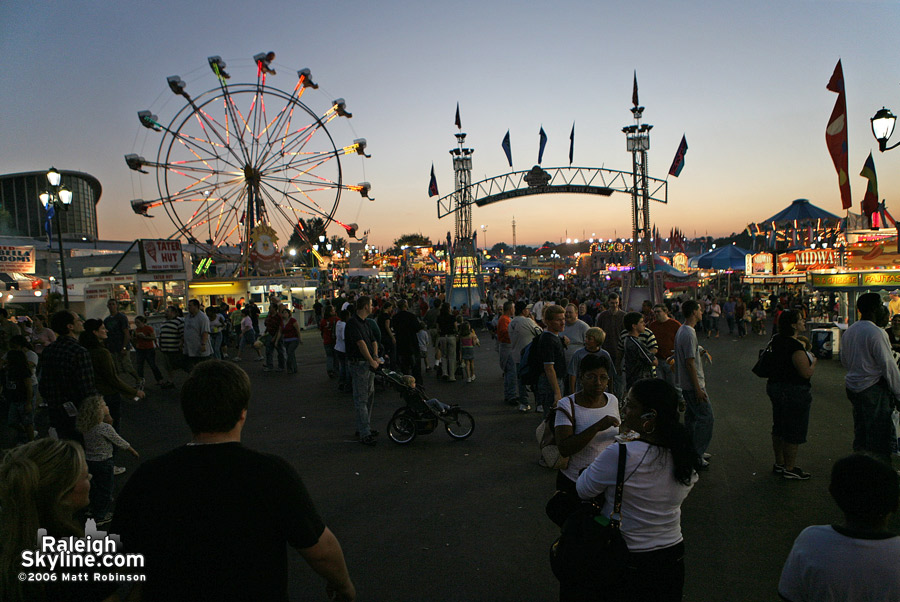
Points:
(789, 390)
(893, 331)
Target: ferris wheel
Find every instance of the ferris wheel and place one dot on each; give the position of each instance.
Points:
(239, 157)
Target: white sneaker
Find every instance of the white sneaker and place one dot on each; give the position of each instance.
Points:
(524, 407)
(118, 470)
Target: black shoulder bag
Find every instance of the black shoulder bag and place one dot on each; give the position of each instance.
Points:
(765, 365)
(590, 551)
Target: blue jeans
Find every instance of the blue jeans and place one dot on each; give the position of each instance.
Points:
(873, 429)
(102, 480)
(544, 394)
(363, 380)
(340, 358)
(215, 340)
(523, 391)
(510, 391)
(329, 359)
(271, 348)
(290, 349)
(698, 418)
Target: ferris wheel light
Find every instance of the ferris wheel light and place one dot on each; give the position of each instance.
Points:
(177, 85)
(305, 76)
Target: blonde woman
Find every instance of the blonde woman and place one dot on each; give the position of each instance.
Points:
(42, 485)
(95, 424)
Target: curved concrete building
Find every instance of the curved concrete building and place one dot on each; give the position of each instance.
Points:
(19, 197)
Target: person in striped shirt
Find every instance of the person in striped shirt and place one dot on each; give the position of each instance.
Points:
(171, 339)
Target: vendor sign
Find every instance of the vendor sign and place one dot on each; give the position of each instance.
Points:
(16, 259)
(807, 259)
(759, 263)
(873, 254)
(161, 255)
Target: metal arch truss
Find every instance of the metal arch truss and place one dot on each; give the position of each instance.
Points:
(550, 180)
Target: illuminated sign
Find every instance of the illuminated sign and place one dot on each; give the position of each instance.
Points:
(760, 263)
(611, 247)
(161, 255)
(885, 279)
(17, 259)
(680, 262)
(834, 280)
(807, 259)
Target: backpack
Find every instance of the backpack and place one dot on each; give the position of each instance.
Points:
(530, 365)
(546, 436)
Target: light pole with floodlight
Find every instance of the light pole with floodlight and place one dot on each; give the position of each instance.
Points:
(59, 197)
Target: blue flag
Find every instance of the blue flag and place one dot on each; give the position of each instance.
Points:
(572, 144)
(506, 148)
(51, 211)
(432, 185)
(543, 144)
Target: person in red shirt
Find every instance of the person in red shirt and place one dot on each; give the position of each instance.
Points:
(664, 327)
(507, 361)
(145, 351)
(327, 326)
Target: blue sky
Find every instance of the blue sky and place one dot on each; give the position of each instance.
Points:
(744, 81)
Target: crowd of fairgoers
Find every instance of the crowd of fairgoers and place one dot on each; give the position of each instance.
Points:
(610, 384)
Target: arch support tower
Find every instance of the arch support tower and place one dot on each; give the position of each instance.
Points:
(464, 282)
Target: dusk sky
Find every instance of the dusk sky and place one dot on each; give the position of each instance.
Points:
(743, 80)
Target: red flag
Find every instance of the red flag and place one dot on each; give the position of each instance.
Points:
(836, 134)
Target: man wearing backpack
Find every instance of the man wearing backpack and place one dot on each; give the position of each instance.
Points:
(522, 330)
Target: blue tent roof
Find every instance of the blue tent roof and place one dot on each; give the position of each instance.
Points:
(729, 257)
(801, 210)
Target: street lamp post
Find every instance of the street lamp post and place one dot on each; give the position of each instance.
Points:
(484, 237)
(882, 128)
(60, 197)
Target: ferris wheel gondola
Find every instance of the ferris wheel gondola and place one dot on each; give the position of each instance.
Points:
(242, 155)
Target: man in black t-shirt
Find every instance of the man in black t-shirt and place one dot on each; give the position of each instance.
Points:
(405, 325)
(553, 357)
(361, 353)
(213, 518)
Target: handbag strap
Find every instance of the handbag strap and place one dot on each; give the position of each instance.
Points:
(615, 516)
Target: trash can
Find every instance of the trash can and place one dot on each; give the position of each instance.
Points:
(826, 342)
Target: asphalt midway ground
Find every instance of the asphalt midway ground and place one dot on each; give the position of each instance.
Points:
(449, 520)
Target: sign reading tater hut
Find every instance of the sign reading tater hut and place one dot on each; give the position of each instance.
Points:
(161, 255)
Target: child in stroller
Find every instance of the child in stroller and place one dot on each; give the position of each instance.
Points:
(421, 414)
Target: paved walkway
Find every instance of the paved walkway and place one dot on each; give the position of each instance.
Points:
(452, 520)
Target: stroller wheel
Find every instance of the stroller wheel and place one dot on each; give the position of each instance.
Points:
(402, 427)
(461, 424)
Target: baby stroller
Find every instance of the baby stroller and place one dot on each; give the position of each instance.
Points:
(421, 415)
